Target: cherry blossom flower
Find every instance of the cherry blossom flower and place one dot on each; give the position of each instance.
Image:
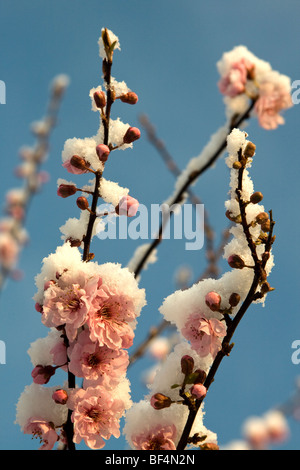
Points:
(96, 416)
(273, 98)
(68, 306)
(40, 428)
(204, 334)
(109, 319)
(96, 363)
(233, 83)
(158, 438)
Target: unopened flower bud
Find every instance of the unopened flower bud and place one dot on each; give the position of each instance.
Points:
(60, 396)
(266, 226)
(82, 203)
(200, 376)
(198, 391)
(66, 190)
(102, 152)
(249, 150)
(235, 261)
(213, 301)
(127, 206)
(160, 401)
(129, 98)
(256, 197)
(79, 162)
(237, 165)
(209, 446)
(234, 299)
(42, 374)
(132, 134)
(262, 217)
(100, 99)
(38, 307)
(187, 364)
(74, 242)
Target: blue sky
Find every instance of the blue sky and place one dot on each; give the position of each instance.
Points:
(169, 50)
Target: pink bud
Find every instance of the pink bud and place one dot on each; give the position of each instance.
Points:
(132, 134)
(102, 152)
(100, 99)
(42, 374)
(38, 307)
(235, 261)
(129, 98)
(198, 391)
(127, 206)
(213, 301)
(66, 190)
(60, 396)
(82, 203)
(160, 401)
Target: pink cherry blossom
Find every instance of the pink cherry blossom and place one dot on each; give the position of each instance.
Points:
(43, 430)
(96, 415)
(59, 354)
(127, 206)
(204, 335)
(158, 438)
(9, 250)
(68, 305)
(273, 98)
(96, 363)
(109, 319)
(233, 83)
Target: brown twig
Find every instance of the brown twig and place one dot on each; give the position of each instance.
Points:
(258, 279)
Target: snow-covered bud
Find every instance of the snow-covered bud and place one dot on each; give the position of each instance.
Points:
(256, 197)
(102, 151)
(213, 301)
(249, 150)
(159, 401)
(66, 190)
(235, 261)
(42, 374)
(82, 203)
(132, 134)
(127, 206)
(187, 364)
(60, 396)
(234, 299)
(79, 163)
(198, 391)
(129, 98)
(100, 99)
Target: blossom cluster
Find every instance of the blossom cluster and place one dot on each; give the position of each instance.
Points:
(13, 234)
(90, 309)
(200, 315)
(245, 77)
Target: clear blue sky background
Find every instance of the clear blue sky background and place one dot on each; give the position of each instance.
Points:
(169, 54)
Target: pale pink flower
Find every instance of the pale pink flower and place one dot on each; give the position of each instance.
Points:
(233, 83)
(158, 438)
(68, 306)
(273, 98)
(59, 354)
(43, 430)
(109, 318)
(204, 335)
(96, 363)
(96, 416)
